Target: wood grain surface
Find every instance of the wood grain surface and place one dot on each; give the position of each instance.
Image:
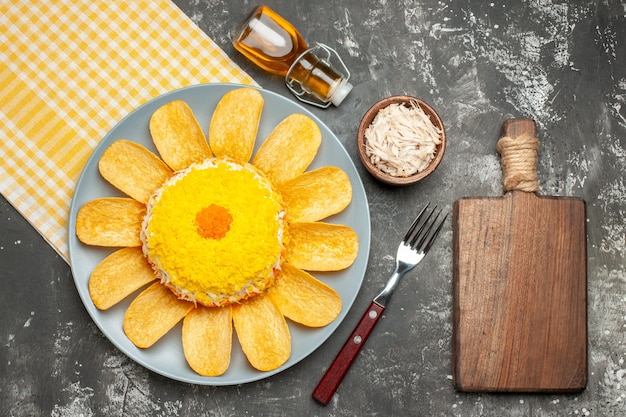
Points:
(520, 291)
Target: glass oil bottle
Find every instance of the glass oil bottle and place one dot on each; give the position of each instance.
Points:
(272, 43)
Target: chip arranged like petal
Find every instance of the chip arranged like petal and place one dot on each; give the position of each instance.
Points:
(289, 149)
(152, 314)
(119, 275)
(304, 299)
(207, 339)
(321, 246)
(262, 332)
(111, 222)
(178, 136)
(133, 169)
(235, 124)
(317, 194)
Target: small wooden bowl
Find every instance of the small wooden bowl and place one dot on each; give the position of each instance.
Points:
(366, 121)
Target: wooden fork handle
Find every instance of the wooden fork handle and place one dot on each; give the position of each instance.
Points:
(339, 368)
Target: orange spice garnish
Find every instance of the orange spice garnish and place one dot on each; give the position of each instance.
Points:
(213, 222)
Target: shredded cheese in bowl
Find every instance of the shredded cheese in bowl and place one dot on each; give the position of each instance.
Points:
(402, 141)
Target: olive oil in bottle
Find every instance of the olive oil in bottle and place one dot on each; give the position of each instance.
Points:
(272, 43)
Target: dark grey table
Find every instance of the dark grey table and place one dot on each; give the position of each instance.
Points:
(562, 63)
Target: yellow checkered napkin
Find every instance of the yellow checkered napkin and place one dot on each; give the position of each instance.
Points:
(69, 71)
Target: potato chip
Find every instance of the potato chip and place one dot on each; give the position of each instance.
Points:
(119, 275)
(133, 169)
(111, 222)
(178, 136)
(235, 124)
(304, 299)
(262, 332)
(152, 314)
(289, 149)
(207, 340)
(321, 246)
(315, 195)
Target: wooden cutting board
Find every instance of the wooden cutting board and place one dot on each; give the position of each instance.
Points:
(519, 283)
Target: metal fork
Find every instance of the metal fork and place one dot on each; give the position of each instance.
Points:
(412, 249)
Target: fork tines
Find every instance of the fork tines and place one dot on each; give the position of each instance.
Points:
(423, 239)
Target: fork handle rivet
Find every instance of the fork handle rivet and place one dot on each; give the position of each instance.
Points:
(357, 340)
(373, 314)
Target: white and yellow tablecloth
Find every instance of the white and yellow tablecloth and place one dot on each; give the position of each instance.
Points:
(69, 71)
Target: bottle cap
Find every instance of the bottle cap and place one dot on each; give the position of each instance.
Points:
(340, 93)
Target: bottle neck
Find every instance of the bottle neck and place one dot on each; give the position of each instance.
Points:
(318, 78)
(315, 76)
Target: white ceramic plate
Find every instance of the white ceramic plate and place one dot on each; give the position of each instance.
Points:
(166, 356)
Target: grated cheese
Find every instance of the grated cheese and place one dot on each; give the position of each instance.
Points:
(402, 141)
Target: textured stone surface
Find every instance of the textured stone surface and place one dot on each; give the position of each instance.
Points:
(562, 63)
